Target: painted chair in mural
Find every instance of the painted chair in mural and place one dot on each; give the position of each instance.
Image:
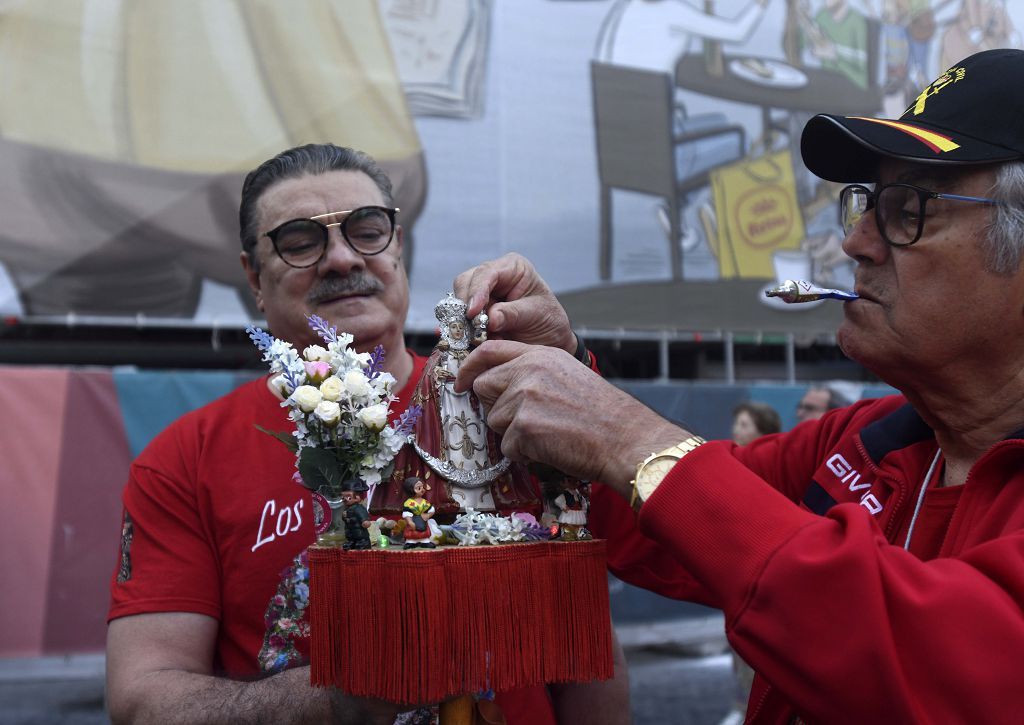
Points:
(647, 143)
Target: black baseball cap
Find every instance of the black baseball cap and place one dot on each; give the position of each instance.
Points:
(971, 114)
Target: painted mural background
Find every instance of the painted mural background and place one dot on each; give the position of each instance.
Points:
(643, 153)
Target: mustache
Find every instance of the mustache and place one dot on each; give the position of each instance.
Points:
(357, 283)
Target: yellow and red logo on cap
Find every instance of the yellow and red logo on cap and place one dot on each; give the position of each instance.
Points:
(935, 141)
(951, 76)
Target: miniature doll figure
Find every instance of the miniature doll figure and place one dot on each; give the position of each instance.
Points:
(480, 328)
(355, 516)
(572, 504)
(418, 514)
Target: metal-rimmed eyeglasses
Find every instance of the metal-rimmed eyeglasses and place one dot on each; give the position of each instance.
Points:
(899, 209)
(302, 243)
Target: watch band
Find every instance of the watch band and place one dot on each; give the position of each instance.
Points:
(581, 353)
(676, 452)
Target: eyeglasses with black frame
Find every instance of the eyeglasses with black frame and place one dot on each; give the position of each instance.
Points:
(899, 209)
(302, 243)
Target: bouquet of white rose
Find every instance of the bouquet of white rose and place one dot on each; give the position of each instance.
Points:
(338, 400)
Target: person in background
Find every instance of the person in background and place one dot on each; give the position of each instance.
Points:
(818, 400)
(752, 420)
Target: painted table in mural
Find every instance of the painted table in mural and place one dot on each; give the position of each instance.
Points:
(773, 84)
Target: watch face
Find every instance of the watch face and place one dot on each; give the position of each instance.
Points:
(653, 473)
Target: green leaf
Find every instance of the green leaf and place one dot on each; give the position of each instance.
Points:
(287, 438)
(320, 469)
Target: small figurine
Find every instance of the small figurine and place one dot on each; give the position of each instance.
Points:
(355, 516)
(480, 328)
(452, 438)
(572, 504)
(418, 514)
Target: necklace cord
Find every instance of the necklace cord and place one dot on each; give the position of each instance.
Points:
(920, 498)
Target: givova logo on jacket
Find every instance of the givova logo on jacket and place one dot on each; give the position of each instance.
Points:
(838, 480)
(851, 478)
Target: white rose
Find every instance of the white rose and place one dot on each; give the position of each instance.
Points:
(357, 384)
(316, 353)
(374, 417)
(329, 412)
(307, 398)
(331, 389)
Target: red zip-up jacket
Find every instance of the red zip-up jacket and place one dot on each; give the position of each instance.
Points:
(791, 537)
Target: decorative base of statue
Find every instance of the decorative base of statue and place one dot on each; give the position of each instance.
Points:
(478, 618)
(486, 620)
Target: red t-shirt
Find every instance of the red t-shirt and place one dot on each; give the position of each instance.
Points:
(216, 520)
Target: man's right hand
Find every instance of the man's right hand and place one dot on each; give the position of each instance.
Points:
(159, 669)
(519, 304)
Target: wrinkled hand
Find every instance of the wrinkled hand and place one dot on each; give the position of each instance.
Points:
(550, 409)
(519, 304)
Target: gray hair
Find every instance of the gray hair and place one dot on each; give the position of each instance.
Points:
(1005, 233)
(312, 159)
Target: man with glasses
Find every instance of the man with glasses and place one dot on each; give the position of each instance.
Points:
(870, 564)
(207, 618)
(818, 400)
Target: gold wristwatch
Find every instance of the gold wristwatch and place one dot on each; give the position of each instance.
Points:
(653, 469)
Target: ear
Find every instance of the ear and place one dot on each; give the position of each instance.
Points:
(254, 279)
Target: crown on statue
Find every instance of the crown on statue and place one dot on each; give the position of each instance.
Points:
(450, 309)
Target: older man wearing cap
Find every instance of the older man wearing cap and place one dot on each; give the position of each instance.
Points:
(870, 564)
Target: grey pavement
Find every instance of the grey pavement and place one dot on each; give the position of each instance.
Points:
(52, 691)
(680, 673)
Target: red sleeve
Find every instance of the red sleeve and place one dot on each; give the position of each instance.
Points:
(636, 559)
(848, 627)
(633, 557)
(172, 564)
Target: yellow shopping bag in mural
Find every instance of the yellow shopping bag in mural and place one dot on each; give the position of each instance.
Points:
(757, 214)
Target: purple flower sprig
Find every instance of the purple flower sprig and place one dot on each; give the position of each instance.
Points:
(293, 380)
(261, 339)
(536, 532)
(327, 331)
(376, 365)
(407, 420)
